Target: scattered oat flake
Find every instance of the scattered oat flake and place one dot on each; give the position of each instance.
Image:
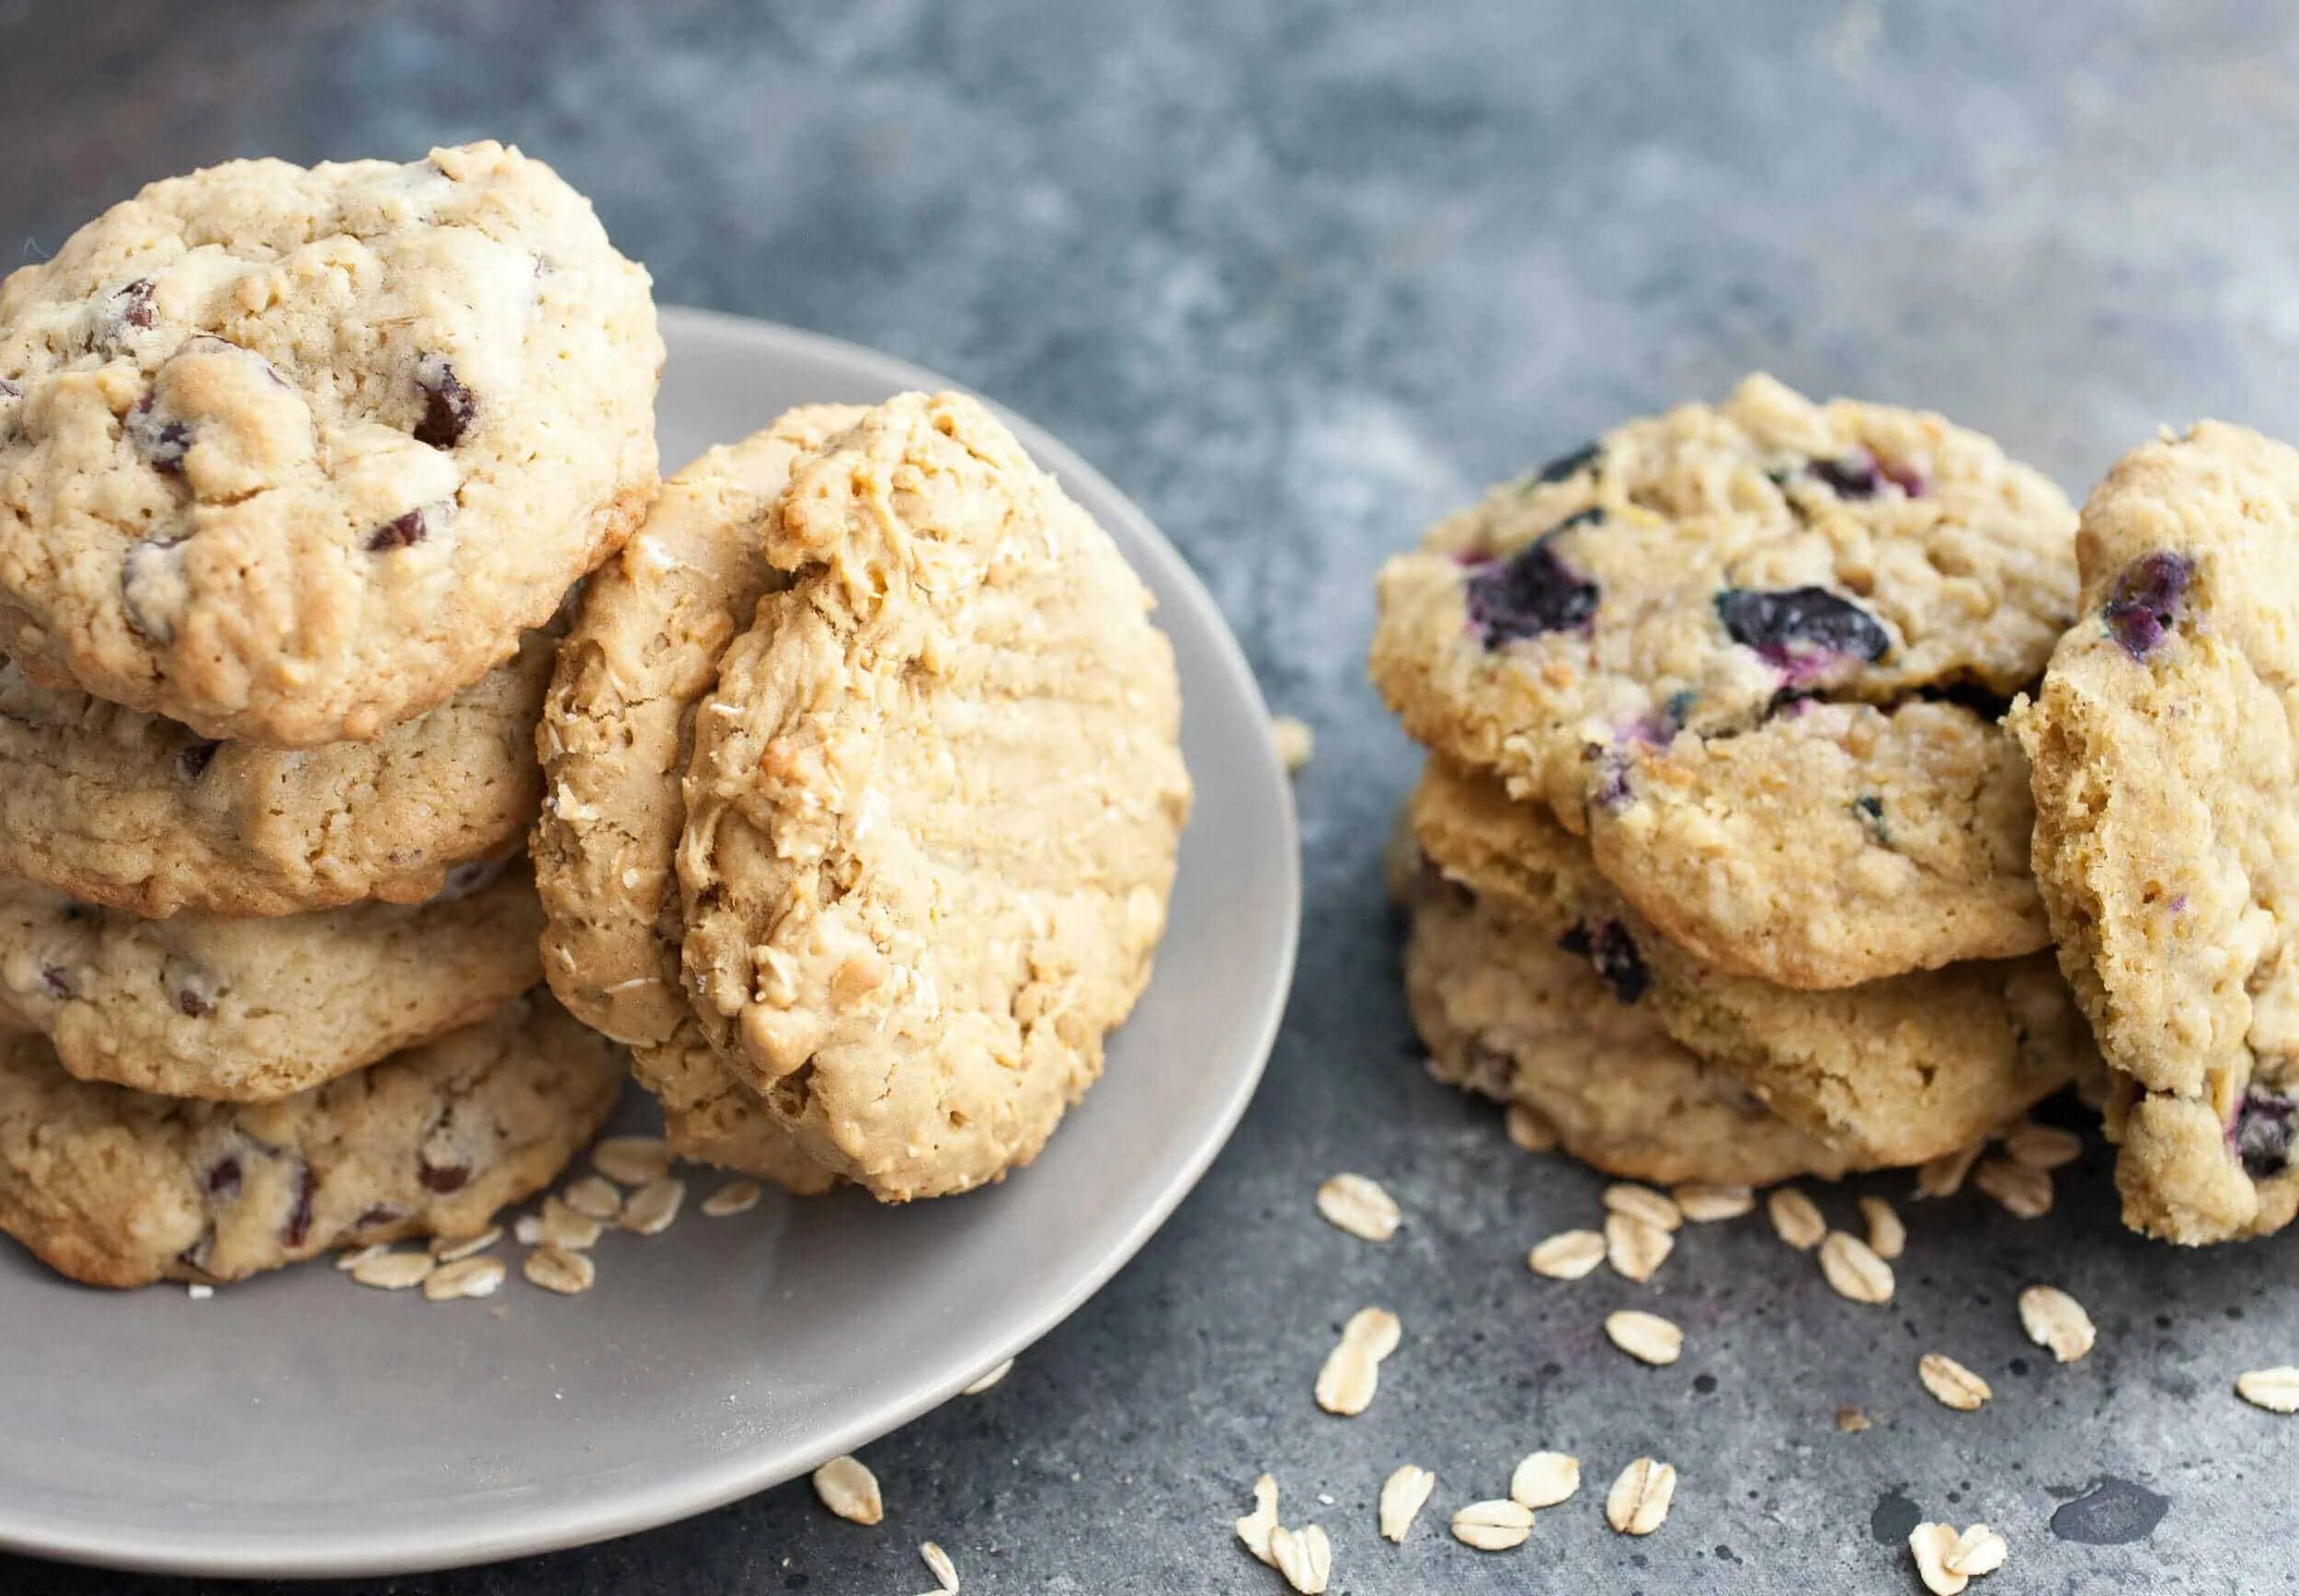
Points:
(2022, 1191)
(1852, 1420)
(1359, 1204)
(1530, 1129)
(849, 1489)
(1955, 1385)
(1568, 1255)
(198, 1291)
(735, 1197)
(395, 1270)
(1542, 1479)
(1256, 1527)
(451, 1251)
(2276, 1389)
(1929, 1544)
(1640, 1497)
(944, 1569)
(476, 1276)
(527, 1230)
(987, 1380)
(2057, 1320)
(1852, 1266)
(1979, 1550)
(653, 1207)
(1296, 743)
(1648, 1338)
(560, 1226)
(348, 1261)
(632, 1160)
(1643, 1203)
(1887, 1237)
(1493, 1526)
(1304, 1556)
(1943, 1177)
(1796, 1218)
(1704, 1204)
(1404, 1495)
(594, 1197)
(2042, 1146)
(1352, 1371)
(1634, 1248)
(559, 1269)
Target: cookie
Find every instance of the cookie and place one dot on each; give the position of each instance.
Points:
(120, 1187)
(1897, 1071)
(143, 814)
(250, 1010)
(1599, 630)
(616, 735)
(1509, 1014)
(933, 808)
(2167, 837)
(292, 455)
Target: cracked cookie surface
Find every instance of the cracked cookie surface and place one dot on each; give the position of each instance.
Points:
(141, 814)
(934, 806)
(2166, 839)
(121, 1188)
(616, 737)
(1897, 1071)
(290, 455)
(1598, 631)
(249, 1010)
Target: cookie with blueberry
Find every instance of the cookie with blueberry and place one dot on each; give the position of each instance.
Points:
(1857, 588)
(294, 454)
(2166, 765)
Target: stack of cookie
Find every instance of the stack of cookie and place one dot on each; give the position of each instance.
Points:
(296, 467)
(1722, 853)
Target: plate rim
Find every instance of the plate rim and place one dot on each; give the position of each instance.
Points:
(406, 1548)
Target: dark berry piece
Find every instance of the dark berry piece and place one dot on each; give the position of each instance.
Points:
(1790, 627)
(9, 389)
(448, 407)
(56, 981)
(441, 1178)
(134, 305)
(1605, 944)
(382, 1213)
(162, 442)
(1566, 465)
(2261, 1135)
(1870, 810)
(1850, 476)
(1527, 594)
(193, 758)
(298, 1229)
(223, 1179)
(405, 532)
(2146, 602)
(189, 987)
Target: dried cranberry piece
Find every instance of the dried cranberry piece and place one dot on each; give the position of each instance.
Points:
(299, 1222)
(193, 758)
(441, 1178)
(1530, 593)
(135, 303)
(1566, 465)
(2146, 603)
(382, 1213)
(1791, 626)
(405, 532)
(2262, 1134)
(223, 1179)
(448, 407)
(1608, 947)
(161, 442)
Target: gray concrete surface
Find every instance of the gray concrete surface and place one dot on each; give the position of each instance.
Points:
(1298, 277)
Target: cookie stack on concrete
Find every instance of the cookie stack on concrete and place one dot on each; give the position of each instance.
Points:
(864, 791)
(1723, 853)
(296, 468)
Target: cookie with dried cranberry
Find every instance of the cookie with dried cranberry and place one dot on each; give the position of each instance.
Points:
(121, 1188)
(1896, 1071)
(1597, 630)
(251, 1010)
(617, 733)
(292, 455)
(2166, 834)
(143, 814)
(1509, 1014)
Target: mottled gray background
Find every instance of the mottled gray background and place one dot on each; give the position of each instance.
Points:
(1298, 277)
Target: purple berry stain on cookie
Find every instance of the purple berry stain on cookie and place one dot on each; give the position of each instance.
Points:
(2262, 1134)
(10, 389)
(1801, 632)
(223, 1178)
(448, 407)
(402, 532)
(1606, 946)
(132, 304)
(1859, 474)
(2141, 611)
(57, 982)
(1530, 593)
(163, 444)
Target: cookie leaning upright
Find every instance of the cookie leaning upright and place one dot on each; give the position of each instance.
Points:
(1734, 644)
(292, 455)
(2167, 836)
(933, 807)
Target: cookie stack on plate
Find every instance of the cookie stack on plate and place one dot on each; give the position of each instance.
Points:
(1720, 859)
(296, 468)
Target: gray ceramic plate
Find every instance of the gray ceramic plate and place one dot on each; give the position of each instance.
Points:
(298, 1424)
